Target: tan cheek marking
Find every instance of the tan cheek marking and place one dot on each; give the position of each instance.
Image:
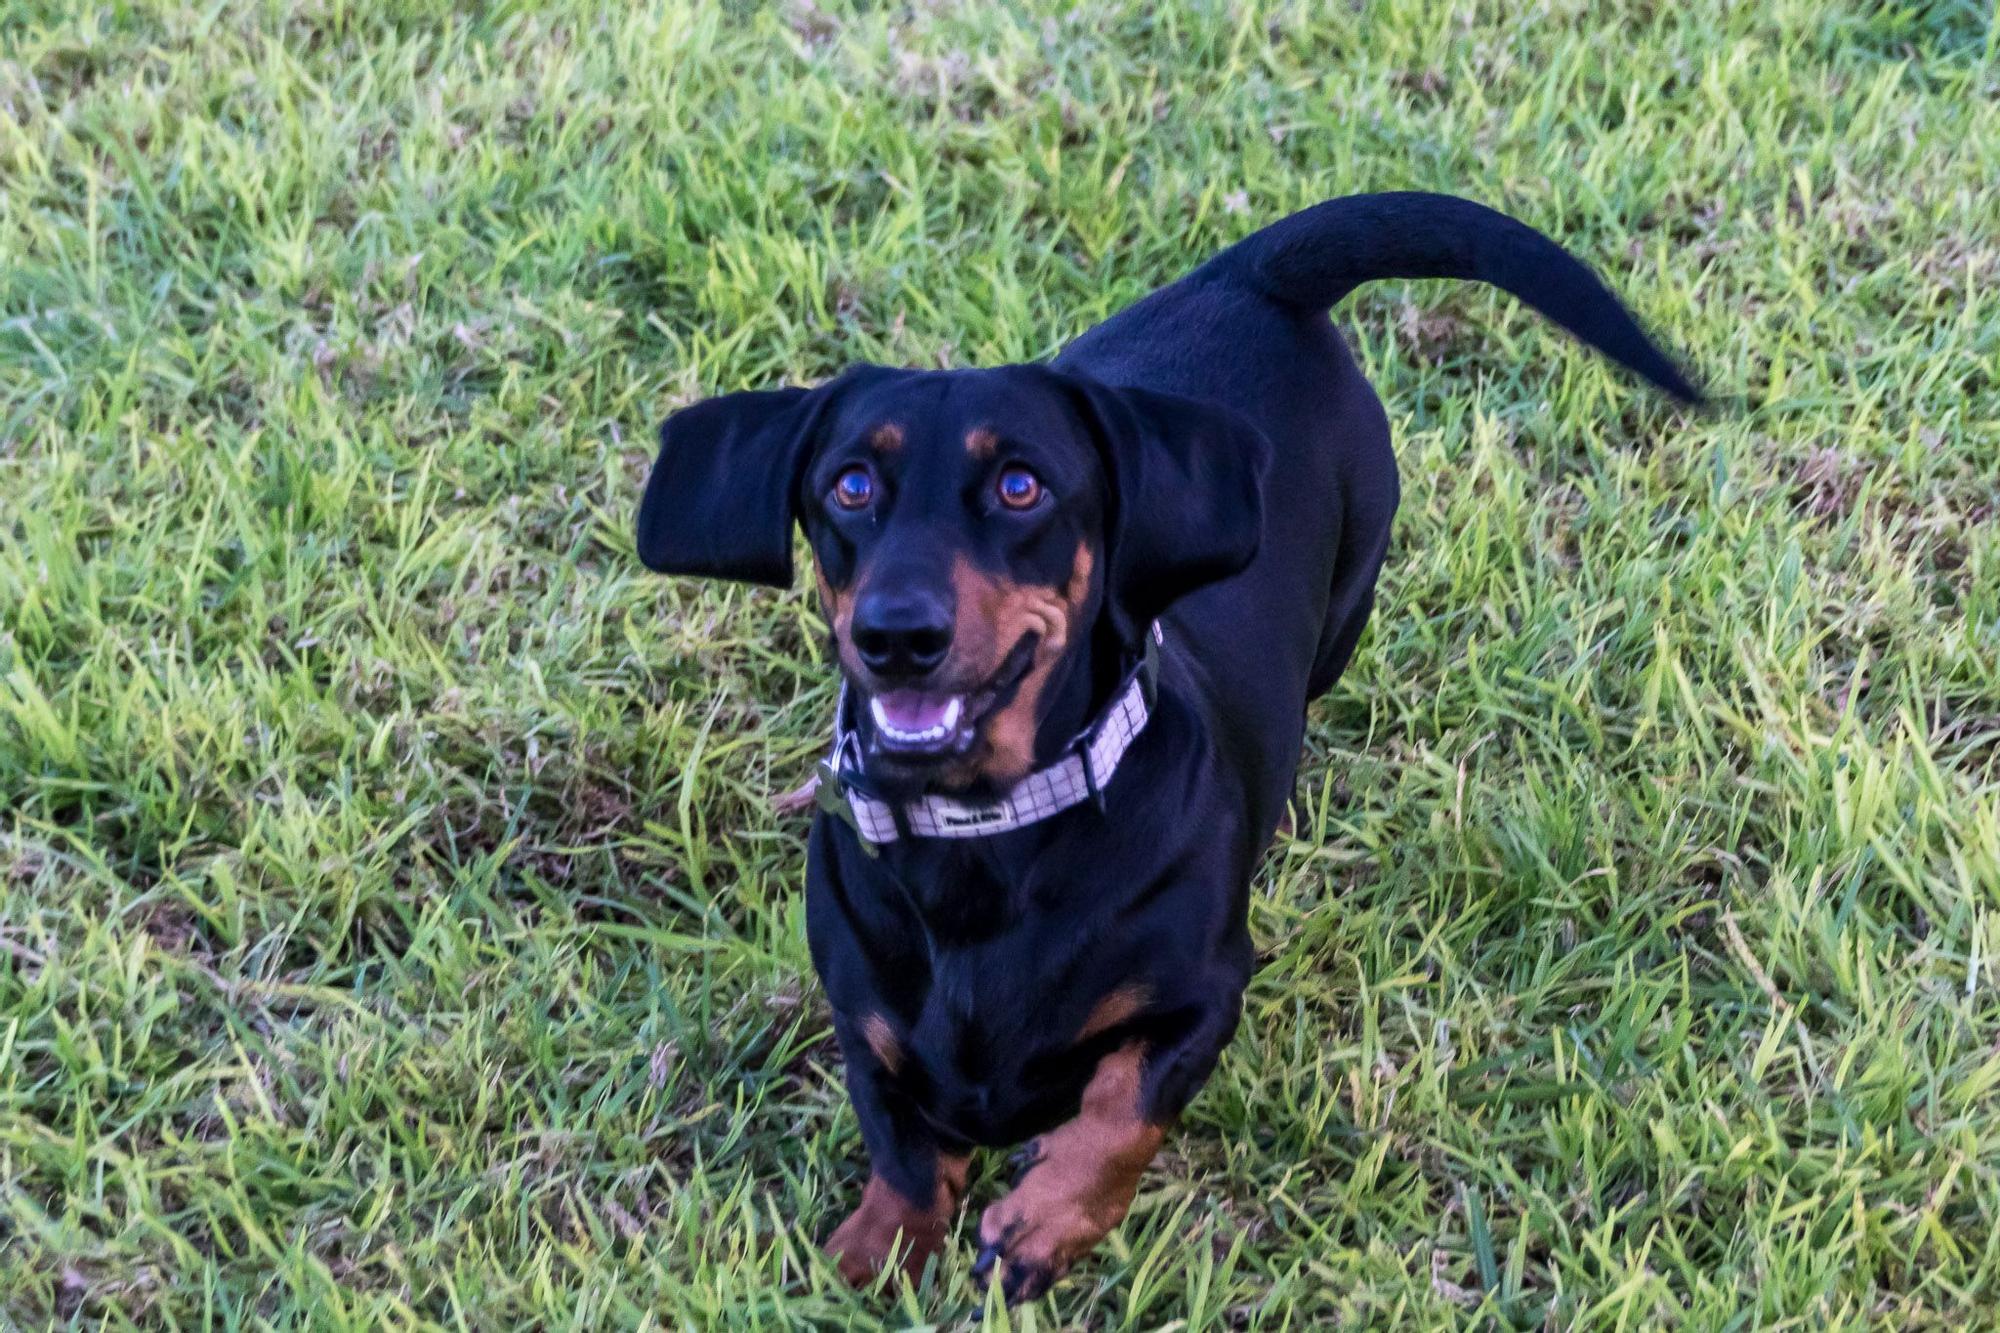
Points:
(886, 438)
(1085, 1174)
(838, 604)
(1119, 1006)
(981, 442)
(1003, 613)
(863, 1245)
(881, 1039)
(1080, 570)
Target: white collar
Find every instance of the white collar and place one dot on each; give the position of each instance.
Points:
(1085, 769)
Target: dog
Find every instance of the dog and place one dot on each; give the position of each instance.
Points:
(1079, 610)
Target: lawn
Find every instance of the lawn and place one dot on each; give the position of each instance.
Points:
(395, 930)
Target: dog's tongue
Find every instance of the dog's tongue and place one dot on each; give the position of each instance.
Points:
(913, 710)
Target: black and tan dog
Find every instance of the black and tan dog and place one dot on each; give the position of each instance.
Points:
(1079, 610)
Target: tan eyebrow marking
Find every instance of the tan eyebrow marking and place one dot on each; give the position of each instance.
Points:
(981, 442)
(886, 437)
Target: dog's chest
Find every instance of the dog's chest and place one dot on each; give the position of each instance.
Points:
(987, 1048)
(982, 967)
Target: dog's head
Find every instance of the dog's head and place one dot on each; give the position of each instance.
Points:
(971, 533)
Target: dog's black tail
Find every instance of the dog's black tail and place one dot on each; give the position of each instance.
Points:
(1314, 258)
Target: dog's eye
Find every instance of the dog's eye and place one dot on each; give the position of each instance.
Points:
(854, 488)
(1018, 488)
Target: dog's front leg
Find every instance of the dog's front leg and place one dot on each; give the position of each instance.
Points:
(914, 1185)
(1079, 1185)
(1083, 1174)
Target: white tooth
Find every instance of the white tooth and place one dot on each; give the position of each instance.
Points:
(952, 710)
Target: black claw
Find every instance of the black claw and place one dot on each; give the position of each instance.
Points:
(1025, 1158)
(982, 1267)
(1024, 1282)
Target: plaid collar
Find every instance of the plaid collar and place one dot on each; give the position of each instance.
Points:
(1086, 767)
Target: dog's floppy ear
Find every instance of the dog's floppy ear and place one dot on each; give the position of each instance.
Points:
(1185, 504)
(721, 498)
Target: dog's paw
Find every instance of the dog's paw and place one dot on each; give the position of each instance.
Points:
(1019, 1279)
(888, 1229)
(866, 1243)
(1033, 1235)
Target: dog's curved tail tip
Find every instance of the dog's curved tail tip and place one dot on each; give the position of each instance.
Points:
(1314, 258)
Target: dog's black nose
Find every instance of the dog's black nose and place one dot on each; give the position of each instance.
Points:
(900, 633)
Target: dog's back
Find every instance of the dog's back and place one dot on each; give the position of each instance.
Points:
(1249, 330)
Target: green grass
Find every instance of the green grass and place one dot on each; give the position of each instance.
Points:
(393, 928)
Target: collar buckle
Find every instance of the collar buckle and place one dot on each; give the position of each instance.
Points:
(835, 794)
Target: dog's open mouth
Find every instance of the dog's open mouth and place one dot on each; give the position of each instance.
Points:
(938, 724)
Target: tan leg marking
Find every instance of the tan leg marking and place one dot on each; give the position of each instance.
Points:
(881, 1039)
(1081, 1185)
(886, 1224)
(1119, 1005)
